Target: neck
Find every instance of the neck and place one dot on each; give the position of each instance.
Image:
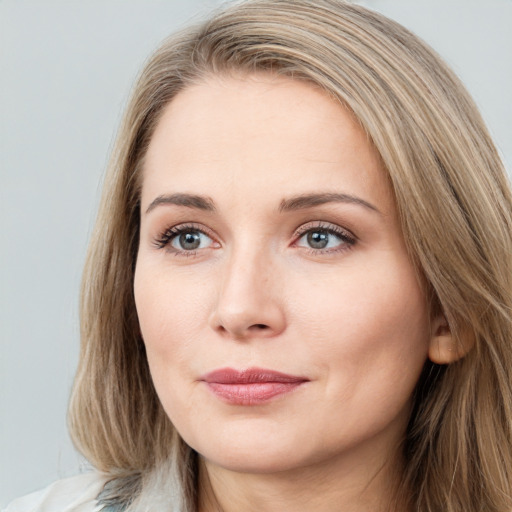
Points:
(340, 485)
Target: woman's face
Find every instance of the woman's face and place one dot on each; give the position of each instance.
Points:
(283, 320)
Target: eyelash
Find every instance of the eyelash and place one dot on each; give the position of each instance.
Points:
(349, 240)
(164, 239)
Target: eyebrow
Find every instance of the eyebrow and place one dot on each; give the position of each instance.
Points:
(310, 200)
(188, 200)
(300, 202)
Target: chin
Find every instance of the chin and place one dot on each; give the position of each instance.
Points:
(254, 463)
(252, 454)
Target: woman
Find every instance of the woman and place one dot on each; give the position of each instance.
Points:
(298, 293)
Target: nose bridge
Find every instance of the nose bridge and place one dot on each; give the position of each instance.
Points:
(249, 302)
(242, 270)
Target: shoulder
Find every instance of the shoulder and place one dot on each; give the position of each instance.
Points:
(75, 494)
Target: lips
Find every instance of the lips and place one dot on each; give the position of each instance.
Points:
(252, 386)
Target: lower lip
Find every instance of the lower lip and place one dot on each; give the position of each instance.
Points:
(254, 393)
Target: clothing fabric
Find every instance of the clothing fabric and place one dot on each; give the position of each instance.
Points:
(76, 494)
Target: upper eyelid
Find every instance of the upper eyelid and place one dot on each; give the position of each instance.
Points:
(189, 226)
(327, 226)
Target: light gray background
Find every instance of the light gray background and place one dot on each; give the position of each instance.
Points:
(66, 68)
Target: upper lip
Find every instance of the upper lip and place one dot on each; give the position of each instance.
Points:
(249, 376)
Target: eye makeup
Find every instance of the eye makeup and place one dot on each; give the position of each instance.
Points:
(317, 237)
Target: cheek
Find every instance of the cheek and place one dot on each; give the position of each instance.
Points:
(366, 323)
(170, 313)
(368, 336)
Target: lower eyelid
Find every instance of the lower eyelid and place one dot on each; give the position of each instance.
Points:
(341, 242)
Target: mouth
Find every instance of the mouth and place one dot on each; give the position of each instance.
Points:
(252, 386)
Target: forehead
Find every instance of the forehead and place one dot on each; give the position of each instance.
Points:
(260, 134)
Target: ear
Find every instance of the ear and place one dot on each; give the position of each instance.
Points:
(444, 347)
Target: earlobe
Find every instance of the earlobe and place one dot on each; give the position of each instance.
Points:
(444, 347)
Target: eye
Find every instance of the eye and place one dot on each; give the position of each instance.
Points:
(190, 240)
(319, 239)
(184, 239)
(325, 238)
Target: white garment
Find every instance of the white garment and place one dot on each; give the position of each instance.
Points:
(75, 494)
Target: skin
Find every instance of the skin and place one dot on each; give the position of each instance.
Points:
(351, 318)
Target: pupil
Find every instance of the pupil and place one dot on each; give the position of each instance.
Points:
(190, 241)
(318, 239)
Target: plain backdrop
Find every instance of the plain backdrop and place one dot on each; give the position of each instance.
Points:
(66, 69)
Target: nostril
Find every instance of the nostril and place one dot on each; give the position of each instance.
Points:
(260, 326)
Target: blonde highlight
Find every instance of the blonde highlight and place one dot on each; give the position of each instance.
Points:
(455, 207)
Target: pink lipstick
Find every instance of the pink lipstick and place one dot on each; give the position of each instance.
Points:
(252, 386)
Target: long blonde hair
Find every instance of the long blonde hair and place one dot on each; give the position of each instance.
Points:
(455, 207)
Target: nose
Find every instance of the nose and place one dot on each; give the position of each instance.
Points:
(250, 300)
